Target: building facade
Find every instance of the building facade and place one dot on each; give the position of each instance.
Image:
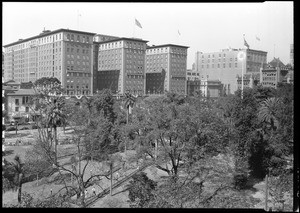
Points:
(121, 66)
(274, 73)
(225, 66)
(249, 81)
(171, 59)
(192, 75)
(17, 104)
(63, 53)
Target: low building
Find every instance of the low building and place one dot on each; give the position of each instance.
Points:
(274, 73)
(207, 87)
(192, 86)
(249, 81)
(17, 104)
(192, 75)
(211, 88)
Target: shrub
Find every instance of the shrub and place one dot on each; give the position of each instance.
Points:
(24, 128)
(240, 181)
(140, 190)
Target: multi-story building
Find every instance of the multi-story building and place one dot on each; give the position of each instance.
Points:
(274, 73)
(17, 104)
(292, 55)
(121, 65)
(192, 75)
(63, 53)
(171, 59)
(225, 66)
(250, 80)
(98, 38)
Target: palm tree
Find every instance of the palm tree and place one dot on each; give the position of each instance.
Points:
(55, 118)
(129, 102)
(19, 172)
(268, 110)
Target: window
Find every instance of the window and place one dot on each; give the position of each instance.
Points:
(17, 101)
(224, 66)
(17, 109)
(229, 65)
(26, 109)
(235, 64)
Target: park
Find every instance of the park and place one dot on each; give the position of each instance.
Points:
(165, 151)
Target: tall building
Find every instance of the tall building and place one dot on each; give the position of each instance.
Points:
(292, 55)
(225, 66)
(169, 59)
(63, 53)
(98, 38)
(121, 65)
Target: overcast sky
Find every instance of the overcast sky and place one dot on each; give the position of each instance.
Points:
(205, 27)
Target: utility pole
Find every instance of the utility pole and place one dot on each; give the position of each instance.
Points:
(266, 195)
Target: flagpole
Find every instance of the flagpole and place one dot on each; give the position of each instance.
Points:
(134, 28)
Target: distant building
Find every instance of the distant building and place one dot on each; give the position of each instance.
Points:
(172, 59)
(211, 88)
(274, 73)
(207, 88)
(225, 66)
(192, 75)
(192, 86)
(249, 81)
(17, 104)
(63, 53)
(121, 65)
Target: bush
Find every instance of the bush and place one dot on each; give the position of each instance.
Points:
(24, 128)
(240, 181)
(140, 190)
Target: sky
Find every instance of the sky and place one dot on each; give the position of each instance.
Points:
(204, 27)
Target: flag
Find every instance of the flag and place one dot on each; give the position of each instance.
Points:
(179, 33)
(246, 44)
(258, 39)
(138, 23)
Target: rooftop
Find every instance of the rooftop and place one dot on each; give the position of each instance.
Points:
(120, 39)
(46, 33)
(166, 45)
(22, 92)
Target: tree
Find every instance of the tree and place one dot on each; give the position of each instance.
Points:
(268, 112)
(19, 174)
(169, 132)
(49, 105)
(128, 105)
(140, 190)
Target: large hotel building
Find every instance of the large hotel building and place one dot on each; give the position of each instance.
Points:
(121, 65)
(64, 54)
(225, 66)
(166, 69)
(88, 62)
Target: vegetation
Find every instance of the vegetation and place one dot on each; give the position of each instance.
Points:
(209, 149)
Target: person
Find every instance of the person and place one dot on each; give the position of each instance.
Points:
(94, 191)
(86, 193)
